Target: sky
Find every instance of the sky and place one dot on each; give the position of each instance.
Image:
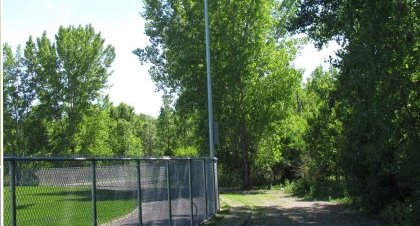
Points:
(121, 26)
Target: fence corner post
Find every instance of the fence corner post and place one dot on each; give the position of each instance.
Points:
(205, 187)
(215, 192)
(94, 212)
(217, 185)
(168, 182)
(140, 212)
(191, 196)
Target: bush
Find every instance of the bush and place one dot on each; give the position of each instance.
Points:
(228, 177)
(186, 152)
(398, 213)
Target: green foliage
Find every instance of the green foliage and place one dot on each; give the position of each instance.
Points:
(66, 78)
(320, 173)
(398, 213)
(70, 116)
(19, 93)
(166, 130)
(37, 135)
(356, 125)
(186, 152)
(297, 187)
(253, 82)
(123, 140)
(377, 87)
(93, 134)
(146, 128)
(228, 176)
(382, 111)
(279, 151)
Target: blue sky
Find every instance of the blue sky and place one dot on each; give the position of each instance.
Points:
(121, 25)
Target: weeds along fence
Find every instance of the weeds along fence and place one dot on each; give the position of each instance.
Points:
(109, 191)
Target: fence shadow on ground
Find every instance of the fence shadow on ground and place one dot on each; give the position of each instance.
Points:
(115, 194)
(322, 215)
(86, 195)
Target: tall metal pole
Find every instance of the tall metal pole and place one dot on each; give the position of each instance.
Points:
(209, 93)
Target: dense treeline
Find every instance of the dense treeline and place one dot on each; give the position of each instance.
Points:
(54, 102)
(254, 83)
(351, 130)
(377, 89)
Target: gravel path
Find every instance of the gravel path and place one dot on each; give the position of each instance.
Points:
(285, 210)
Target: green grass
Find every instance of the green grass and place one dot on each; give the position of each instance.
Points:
(240, 202)
(251, 199)
(41, 205)
(330, 192)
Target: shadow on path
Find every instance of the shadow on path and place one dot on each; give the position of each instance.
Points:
(315, 215)
(275, 208)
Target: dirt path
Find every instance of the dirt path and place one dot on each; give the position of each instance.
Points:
(271, 208)
(277, 208)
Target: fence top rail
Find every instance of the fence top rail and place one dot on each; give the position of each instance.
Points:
(11, 158)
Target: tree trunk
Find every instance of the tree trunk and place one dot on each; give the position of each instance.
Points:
(244, 147)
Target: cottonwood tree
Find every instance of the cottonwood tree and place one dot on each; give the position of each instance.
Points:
(248, 48)
(70, 75)
(19, 94)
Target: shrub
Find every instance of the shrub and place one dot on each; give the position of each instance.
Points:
(398, 213)
(186, 152)
(228, 177)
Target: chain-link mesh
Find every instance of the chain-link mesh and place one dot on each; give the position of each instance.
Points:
(116, 192)
(211, 202)
(53, 193)
(198, 193)
(154, 193)
(180, 192)
(216, 186)
(6, 194)
(62, 192)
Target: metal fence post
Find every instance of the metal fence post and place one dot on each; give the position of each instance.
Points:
(214, 186)
(205, 186)
(168, 182)
(12, 165)
(140, 212)
(190, 186)
(217, 185)
(94, 212)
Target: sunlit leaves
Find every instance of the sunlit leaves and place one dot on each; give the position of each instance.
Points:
(252, 79)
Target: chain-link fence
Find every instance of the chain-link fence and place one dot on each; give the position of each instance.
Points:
(108, 191)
